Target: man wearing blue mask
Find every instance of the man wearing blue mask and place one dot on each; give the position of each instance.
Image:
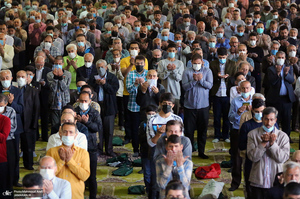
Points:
(268, 148)
(281, 94)
(238, 106)
(82, 46)
(170, 72)
(222, 69)
(59, 82)
(221, 40)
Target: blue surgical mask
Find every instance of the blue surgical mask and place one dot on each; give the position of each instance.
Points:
(94, 15)
(80, 44)
(64, 24)
(245, 95)
(171, 54)
(76, 27)
(83, 7)
(212, 44)
(222, 61)
(268, 130)
(38, 21)
(32, 17)
(1, 42)
(258, 116)
(165, 38)
(220, 35)
(108, 32)
(44, 12)
(31, 76)
(137, 29)
(78, 89)
(148, 27)
(240, 34)
(273, 52)
(259, 30)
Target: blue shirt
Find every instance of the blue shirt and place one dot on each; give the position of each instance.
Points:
(283, 90)
(189, 64)
(225, 44)
(171, 36)
(101, 92)
(132, 89)
(233, 116)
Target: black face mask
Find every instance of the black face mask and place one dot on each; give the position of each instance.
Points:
(143, 35)
(114, 33)
(92, 27)
(155, 59)
(156, 47)
(139, 68)
(210, 14)
(166, 108)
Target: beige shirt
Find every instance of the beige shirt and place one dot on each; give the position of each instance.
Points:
(7, 59)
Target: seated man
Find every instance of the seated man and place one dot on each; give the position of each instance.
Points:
(73, 162)
(173, 127)
(173, 166)
(54, 187)
(80, 139)
(175, 189)
(33, 181)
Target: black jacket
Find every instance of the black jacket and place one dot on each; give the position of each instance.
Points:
(81, 72)
(110, 89)
(44, 90)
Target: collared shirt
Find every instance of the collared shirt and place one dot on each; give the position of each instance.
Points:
(64, 29)
(7, 59)
(283, 90)
(233, 116)
(164, 175)
(132, 89)
(54, 51)
(54, 141)
(222, 89)
(11, 114)
(131, 20)
(35, 34)
(101, 91)
(76, 171)
(79, 62)
(88, 71)
(61, 189)
(197, 92)
(227, 29)
(38, 74)
(225, 44)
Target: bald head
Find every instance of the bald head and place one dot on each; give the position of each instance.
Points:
(39, 62)
(88, 57)
(296, 156)
(152, 74)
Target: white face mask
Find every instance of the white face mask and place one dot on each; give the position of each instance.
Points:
(294, 38)
(68, 140)
(252, 42)
(227, 20)
(152, 82)
(83, 30)
(189, 2)
(231, 5)
(2, 108)
(149, 117)
(242, 52)
(196, 67)
(117, 59)
(21, 82)
(72, 55)
(292, 54)
(119, 25)
(88, 64)
(47, 45)
(47, 174)
(280, 62)
(5, 83)
(84, 106)
(134, 53)
(113, 9)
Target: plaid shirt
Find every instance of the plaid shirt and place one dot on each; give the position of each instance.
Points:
(164, 175)
(54, 51)
(132, 89)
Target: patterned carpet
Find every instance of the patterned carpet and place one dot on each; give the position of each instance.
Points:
(117, 187)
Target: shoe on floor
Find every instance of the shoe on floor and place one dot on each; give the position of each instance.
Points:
(136, 154)
(227, 140)
(215, 140)
(203, 156)
(18, 185)
(29, 168)
(232, 188)
(141, 171)
(112, 154)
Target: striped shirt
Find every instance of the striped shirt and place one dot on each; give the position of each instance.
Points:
(222, 89)
(132, 89)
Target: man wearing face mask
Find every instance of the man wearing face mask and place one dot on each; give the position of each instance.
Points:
(135, 33)
(284, 38)
(268, 148)
(90, 37)
(221, 40)
(6, 53)
(73, 161)
(117, 45)
(156, 57)
(52, 185)
(127, 64)
(29, 118)
(106, 86)
(88, 69)
(149, 93)
(64, 27)
(258, 105)
(238, 106)
(229, 27)
(134, 79)
(59, 82)
(186, 25)
(280, 94)
(197, 81)
(50, 50)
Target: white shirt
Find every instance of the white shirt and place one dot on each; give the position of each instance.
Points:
(38, 74)
(61, 189)
(9, 40)
(54, 141)
(234, 93)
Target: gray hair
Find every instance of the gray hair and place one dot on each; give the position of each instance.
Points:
(39, 57)
(117, 18)
(71, 45)
(269, 110)
(242, 63)
(100, 61)
(165, 31)
(108, 24)
(275, 42)
(295, 29)
(259, 96)
(156, 50)
(212, 37)
(191, 32)
(290, 165)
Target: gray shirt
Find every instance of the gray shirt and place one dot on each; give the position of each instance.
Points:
(197, 92)
(170, 78)
(11, 114)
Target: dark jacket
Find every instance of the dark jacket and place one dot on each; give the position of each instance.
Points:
(18, 105)
(94, 125)
(44, 90)
(70, 26)
(273, 95)
(31, 112)
(231, 83)
(110, 89)
(230, 69)
(81, 72)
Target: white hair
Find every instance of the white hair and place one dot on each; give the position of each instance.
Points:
(107, 25)
(156, 50)
(116, 18)
(259, 95)
(191, 32)
(165, 31)
(122, 15)
(39, 57)
(6, 71)
(290, 165)
(71, 45)
(295, 29)
(100, 61)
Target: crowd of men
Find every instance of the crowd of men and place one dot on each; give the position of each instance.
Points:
(157, 68)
